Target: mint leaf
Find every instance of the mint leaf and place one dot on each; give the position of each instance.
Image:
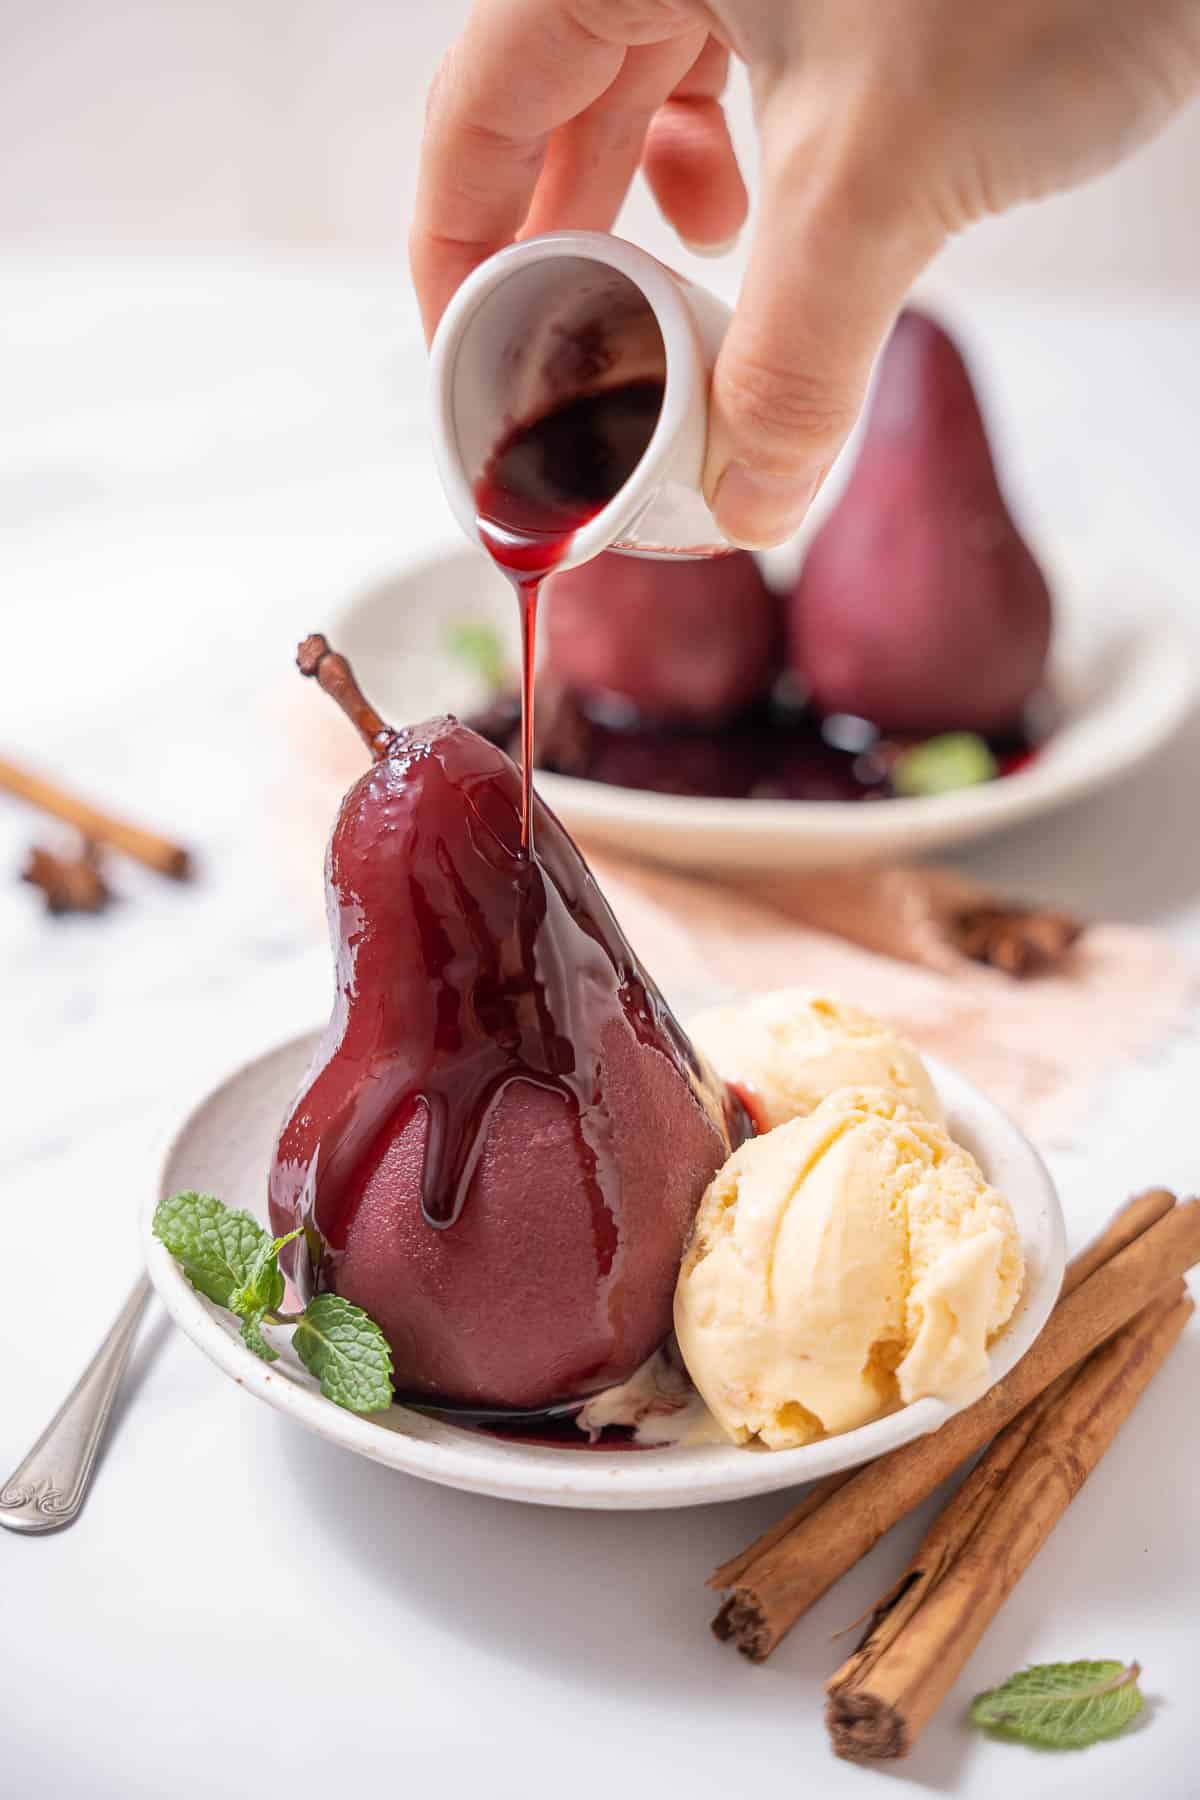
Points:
(230, 1258)
(254, 1340)
(216, 1246)
(262, 1290)
(957, 759)
(263, 1287)
(347, 1353)
(1062, 1706)
(479, 647)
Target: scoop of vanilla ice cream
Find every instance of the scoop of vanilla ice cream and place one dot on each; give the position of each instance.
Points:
(842, 1263)
(786, 1050)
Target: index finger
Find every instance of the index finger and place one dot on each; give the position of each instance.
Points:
(520, 69)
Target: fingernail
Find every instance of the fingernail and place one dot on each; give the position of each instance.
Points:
(712, 250)
(757, 510)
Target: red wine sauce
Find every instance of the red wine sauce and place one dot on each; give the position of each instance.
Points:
(773, 750)
(516, 969)
(542, 482)
(468, 958)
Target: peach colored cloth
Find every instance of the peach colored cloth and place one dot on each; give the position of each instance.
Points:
(1038, 1047)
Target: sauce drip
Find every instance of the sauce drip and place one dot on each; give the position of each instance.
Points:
(465, 967)
(542, 482)
(472, 962)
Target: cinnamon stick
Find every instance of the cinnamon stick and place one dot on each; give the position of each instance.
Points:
(730, 1573)
(923, 1632)
(963, 1512)
(98, 827)
(959, 1519)
(779, 1586)
(1128, 1223)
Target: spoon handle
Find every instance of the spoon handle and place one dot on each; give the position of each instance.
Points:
(48, 1489)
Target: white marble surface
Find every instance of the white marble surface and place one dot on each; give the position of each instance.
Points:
(200, 457)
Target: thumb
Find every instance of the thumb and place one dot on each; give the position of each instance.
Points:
(829, 270)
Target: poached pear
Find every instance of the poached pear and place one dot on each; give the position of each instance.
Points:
(919, 605)
(668, 641)
(505, 1134)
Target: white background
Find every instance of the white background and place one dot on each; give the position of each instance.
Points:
(211, 432)
(297, 122)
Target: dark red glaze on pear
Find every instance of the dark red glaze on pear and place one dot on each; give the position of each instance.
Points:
(505, 1134)
(919, 605)
(676, 642)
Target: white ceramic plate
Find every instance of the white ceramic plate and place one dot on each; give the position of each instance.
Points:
(224, 1147)
(1126, 677)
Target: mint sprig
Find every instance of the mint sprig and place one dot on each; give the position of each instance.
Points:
(262, 1290)
(347, 1353)
(252, 1337)
(941, 765)
(229, 1258)
(215, 1246)
(1062, 1706)
(479, 648)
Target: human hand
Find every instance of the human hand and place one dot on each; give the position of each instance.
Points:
(885, 127)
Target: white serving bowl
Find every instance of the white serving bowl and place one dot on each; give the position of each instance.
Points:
(1123, 671)
(224, 1147)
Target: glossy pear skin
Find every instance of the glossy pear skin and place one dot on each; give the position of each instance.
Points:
(496, 1051)
(919, 605)
(674, 641)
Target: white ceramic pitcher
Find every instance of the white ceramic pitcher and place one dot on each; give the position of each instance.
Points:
(553, 319)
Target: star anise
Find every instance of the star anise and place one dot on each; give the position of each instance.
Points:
(1019, 940)
(68, 883)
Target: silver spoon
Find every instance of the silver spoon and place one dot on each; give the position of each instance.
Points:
(47, 1490)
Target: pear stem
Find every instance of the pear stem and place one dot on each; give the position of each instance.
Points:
(334, 674)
